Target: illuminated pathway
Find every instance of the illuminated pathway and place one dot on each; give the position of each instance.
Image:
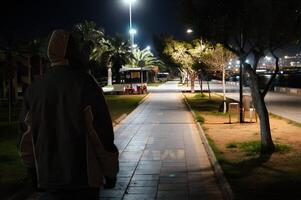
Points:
(162, 155)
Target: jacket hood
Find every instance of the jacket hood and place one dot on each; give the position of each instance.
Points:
(57, 47)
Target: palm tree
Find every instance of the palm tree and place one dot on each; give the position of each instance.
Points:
(89, 35)
(89, 31)
(145, 58)
(113, 53)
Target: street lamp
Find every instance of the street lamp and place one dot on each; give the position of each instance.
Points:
(130, 2)
(189, 31)
(148, 48)
(133, 32)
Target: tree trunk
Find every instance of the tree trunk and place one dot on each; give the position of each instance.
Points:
(183, 76)
(267, 145)
(224, 90)
(109, 76)
(187, 77)
(192, 80)
(200, 81)
(209, 91)
(270, 83)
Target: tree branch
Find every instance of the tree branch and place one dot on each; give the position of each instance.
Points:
(269, 84)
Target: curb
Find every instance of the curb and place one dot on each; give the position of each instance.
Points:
(144, 99)
(119, 119)
(224, 184)
(123, 116)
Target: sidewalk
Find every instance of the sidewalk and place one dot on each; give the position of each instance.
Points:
(162, 155)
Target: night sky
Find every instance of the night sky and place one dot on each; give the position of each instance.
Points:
(33, 18)
(24, 20)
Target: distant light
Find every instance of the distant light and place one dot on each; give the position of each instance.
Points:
(133, 31)
(248, 61)
(268, 58)
(189, 31)
(148, 47)
(286, 57)
(230, 63)
(129, 1)
(134, 45)
(238, 62)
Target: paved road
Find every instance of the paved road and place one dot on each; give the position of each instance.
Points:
(162, 155)
(284, 105)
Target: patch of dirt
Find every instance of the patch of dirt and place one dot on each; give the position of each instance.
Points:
(223, 133)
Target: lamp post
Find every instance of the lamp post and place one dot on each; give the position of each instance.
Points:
(132, 36)
(133, 32)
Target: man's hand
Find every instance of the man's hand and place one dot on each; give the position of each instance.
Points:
(110, 182)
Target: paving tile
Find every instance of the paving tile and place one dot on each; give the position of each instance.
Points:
(127, 163)
(139, 197)
(144, 183)
(138, 177)
(141, 190)
(135, 148)
(173, 187)
(173, 195)
(112, 193)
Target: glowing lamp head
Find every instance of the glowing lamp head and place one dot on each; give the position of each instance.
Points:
(189, 31)
(129, 1)
(133, 31)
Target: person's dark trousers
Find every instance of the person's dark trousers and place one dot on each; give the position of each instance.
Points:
(71, 194)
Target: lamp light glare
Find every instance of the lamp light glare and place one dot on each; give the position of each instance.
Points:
(133, 31)
(189, 31)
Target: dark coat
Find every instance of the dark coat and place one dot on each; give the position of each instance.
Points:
(70, 127)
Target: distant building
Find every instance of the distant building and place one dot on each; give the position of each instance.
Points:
(291, 61)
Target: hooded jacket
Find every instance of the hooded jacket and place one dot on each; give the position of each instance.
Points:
(68, 135)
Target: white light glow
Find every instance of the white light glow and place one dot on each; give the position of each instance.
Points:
(129, 1)
(189, 31)
(133, 31)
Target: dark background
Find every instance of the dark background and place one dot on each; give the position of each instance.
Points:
(28, 19)
(33, 18)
